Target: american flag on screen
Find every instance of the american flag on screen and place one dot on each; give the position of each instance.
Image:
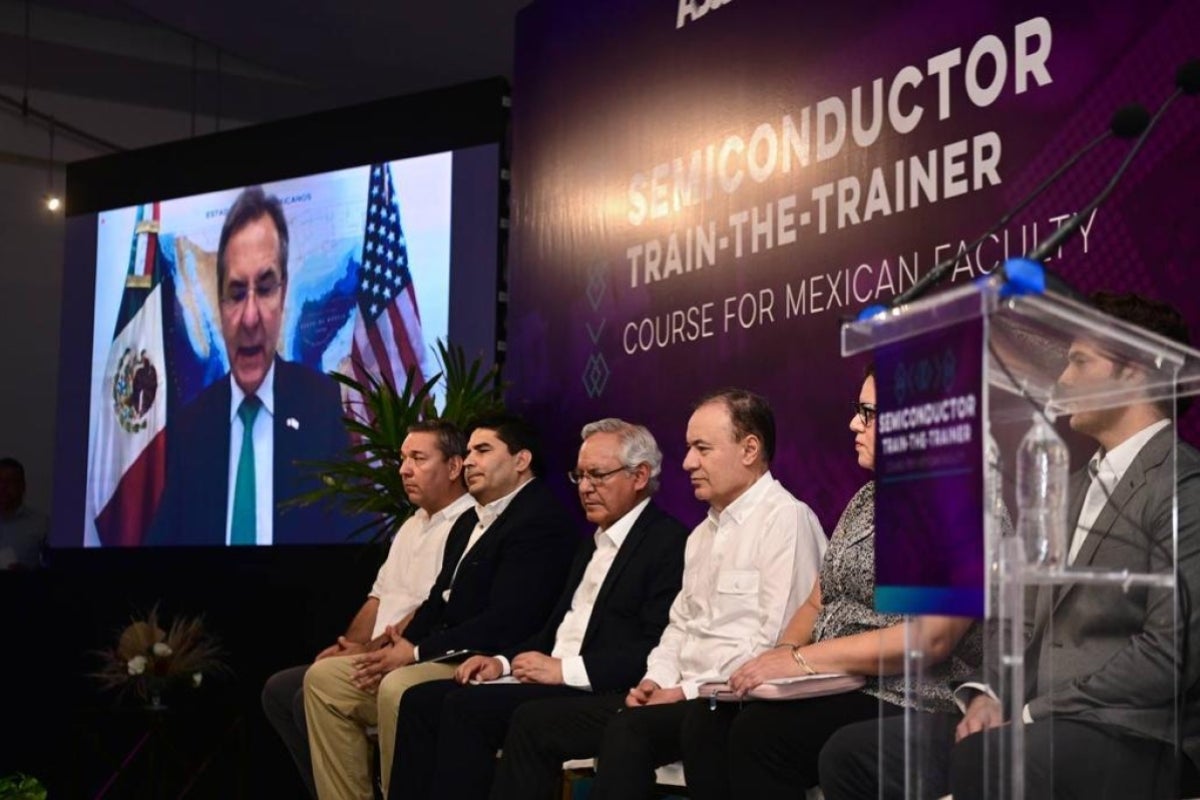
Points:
(387, 334)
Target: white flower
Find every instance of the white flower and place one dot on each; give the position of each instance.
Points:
(162, 649)
(196, 678)
(137, 665)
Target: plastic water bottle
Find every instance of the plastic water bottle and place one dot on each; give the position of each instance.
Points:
(993, 489)
(993, 504)
(1042, 474)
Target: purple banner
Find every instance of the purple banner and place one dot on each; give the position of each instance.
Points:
(703, 191)
(929, 512)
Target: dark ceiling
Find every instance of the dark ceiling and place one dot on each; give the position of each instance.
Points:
(252, 60)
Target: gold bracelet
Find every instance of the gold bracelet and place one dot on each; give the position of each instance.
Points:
(802, 661)
(784, 644)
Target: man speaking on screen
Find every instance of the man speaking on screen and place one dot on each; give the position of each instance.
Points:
(234, 451)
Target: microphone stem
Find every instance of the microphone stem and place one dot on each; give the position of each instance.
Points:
(1071, 226)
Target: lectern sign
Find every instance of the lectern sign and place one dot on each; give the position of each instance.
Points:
(929, 459)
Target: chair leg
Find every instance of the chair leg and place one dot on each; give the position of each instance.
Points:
(570, 777)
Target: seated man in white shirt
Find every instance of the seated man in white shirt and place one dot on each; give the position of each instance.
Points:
(432, 470)
(609, 616)
(747, 567)
(503, 568)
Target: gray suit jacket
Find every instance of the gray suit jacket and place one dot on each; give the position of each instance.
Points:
(1104, 655)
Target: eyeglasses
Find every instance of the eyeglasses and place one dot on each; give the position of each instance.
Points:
(596, 478)
(266, 291)
(865, 412)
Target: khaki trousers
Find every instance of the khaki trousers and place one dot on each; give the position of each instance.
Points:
(337, 712)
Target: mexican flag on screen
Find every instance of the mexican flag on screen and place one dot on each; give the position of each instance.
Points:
(129, 459)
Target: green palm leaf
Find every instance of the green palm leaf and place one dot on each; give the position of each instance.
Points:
(365, 481)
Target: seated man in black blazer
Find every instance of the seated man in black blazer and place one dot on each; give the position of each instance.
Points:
(503, 567)
(608, 618)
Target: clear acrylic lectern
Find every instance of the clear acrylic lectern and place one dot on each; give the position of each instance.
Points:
(1094, 631)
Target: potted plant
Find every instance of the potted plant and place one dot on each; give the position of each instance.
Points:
(366, 482)
(152, 661)
(20, 786)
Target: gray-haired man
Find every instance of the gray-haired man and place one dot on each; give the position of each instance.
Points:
(609, 616)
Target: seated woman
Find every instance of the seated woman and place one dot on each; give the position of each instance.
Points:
(770, 749)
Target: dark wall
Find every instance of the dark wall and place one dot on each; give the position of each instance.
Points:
(443, 119)
(271, 608)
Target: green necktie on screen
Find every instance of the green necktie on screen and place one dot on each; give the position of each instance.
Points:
(244, 493)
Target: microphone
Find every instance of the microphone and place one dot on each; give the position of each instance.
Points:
(1129, 121)
(1187, 81)
(1187, 78)
(1126, 123)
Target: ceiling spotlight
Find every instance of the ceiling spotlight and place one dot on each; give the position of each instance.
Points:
(53, 203)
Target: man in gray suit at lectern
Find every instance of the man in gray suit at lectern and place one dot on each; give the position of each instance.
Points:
(1103, 664)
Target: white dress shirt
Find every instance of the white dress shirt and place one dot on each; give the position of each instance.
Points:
(413, 563)
(568, 639)
(745, 572)
(264, 457)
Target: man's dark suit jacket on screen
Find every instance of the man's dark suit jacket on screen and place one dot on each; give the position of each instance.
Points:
(307, 427)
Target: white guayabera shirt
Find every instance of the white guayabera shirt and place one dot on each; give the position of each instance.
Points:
(745, 571)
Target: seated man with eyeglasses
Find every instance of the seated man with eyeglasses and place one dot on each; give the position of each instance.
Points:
(233, 452)
(610, 614)
(748, 565)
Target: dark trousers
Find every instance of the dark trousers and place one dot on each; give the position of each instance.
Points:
(850, 763)
(447, 736)
(545, 733)
(283, 703)
(1067, 759)
(764, 749)
(639, 740)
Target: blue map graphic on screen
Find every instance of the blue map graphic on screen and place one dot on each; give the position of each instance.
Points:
(319, 314)
(323, 316)
(192, 336)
